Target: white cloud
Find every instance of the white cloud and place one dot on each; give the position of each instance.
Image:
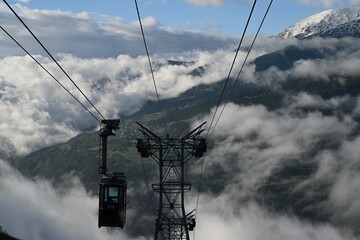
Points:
(305, 100)
(121, 85)
(255, 143)
(354, 2)
(85, 35)
(330, 3)
(219, 219)
(117, 86)
(262, 140)
(214, 3)
(35, 210)
(341, 58)
(325, 3)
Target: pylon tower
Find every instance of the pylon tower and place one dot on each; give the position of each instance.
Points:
(172, 222)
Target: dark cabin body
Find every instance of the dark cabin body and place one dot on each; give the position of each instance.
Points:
(112, 200)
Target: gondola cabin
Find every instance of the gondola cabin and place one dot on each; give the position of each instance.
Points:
(112, 201)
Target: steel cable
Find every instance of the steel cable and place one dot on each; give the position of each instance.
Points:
(50, 55)
(29, 54)
(151, 68)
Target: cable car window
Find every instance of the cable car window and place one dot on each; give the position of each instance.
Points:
(101, 195)
(111, 194)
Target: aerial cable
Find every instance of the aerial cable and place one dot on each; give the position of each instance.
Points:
(222, 94)
(18, 17)
(247, 55)
(150, 65)
(232, 66)
(27, 52)
(233, 86)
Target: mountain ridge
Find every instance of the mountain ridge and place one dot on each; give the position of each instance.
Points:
(323, 22)
(349, 29)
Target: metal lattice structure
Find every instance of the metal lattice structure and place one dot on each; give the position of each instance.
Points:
(172, 222)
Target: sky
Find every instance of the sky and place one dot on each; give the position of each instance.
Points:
(224, 16)
(98, 29)
(99, 45)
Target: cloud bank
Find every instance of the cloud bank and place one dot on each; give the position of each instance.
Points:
(85, 35)
(117, 86)
(214, 3)
(35, 210)
(120, 85)
(253, 144)
(253, 223)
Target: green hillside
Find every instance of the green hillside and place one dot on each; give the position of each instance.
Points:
(80, 155)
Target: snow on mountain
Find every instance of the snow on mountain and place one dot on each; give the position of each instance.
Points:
(349, 29)
(324, 22)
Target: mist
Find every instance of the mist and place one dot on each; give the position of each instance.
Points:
(116, 86)
(251, 144)
(36, 210)
(251, 222)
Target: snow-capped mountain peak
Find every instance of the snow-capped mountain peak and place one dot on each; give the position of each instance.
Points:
(321, 22)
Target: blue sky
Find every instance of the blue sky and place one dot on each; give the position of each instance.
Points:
(171, 26)
(226, 16)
